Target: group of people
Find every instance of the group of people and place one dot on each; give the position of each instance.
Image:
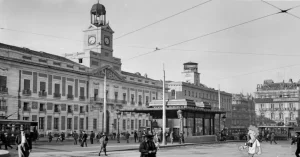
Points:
(268, 137)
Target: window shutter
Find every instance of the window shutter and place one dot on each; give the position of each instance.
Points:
(63, 86)
(26, 84)
(50, 84)
(34, 82)
(76, 88)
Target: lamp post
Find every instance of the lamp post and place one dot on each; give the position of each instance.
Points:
(224, 119)
(150, 119)
(118, 117)
(179, 114)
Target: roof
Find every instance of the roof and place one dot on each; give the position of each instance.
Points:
(193, 63)
(98, 9)
(36, 53)
(135, 75)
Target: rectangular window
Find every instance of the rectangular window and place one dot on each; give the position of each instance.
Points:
(132, 124)
(81, 91)
(43, 86)
(75, 123)
(26, 84)
(146, 123)
(57, 88)
(42, 107)
(79, 60)
(95, 124)
(140, 123)
(69, 123)
(55, 123)
(86, 108)
(25, 118)
(70, 90)
(25, 106)
(143, 122)
(81, 109)
(124, 124)
(49, 122)
(3, 81)
(41, 123)
(124, 96)
(87, 123)
(116, 95)
(81, 121)
(95, 92)
(140, 98)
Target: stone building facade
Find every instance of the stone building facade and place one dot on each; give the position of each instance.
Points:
(191, 88)
(243, 111)
(277, 103)
(64, 95)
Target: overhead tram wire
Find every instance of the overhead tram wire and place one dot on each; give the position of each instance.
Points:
(250, 73)
(205, 35)
(193, 7)
(286, 11)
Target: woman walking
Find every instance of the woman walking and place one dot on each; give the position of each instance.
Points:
(103, 144)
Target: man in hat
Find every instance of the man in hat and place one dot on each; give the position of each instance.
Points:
(24, 144)
(298, 144)
(75, 136)
(92, 136)
(84, 138)
(6, 141)
(103, 143)
(147, 147)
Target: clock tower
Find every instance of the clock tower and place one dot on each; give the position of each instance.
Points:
(190, 73)
(98, 42)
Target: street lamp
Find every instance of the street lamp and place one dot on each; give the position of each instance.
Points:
(224, 119)
(150, 119)
(118, 117)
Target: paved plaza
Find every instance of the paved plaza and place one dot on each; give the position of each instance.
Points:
(230, 149)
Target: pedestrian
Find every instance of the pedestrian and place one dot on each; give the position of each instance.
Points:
(144, 133)
(297, 140)
(83, 140)
(253, 144)
(135, 136)
(58, 138)
(268, 137)
(103, 143)
(272, 138)
(24, 144)
(80, 136)
(62, 136)
(6, 141)
(50, 137)
(181, 138)
(92, 136)
(98, 137)
(114, 134)
(75, 136)
(127, 136)
(147, 147)
(156, 141)
(2, 139)
(140, 136)
(171, 137)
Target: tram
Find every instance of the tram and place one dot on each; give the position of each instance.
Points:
(281, 132)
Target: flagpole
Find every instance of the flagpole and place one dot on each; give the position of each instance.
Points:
(104, 104)
(164, 142)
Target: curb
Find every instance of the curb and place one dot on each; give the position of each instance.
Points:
(4, 153)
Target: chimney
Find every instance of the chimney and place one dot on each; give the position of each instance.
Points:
(291, 81)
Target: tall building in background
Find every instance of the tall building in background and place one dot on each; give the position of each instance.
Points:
(67, 94)
(277, 103)
(243, 111)
(192, 89)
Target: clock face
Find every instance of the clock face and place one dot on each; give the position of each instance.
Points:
(92, 40)
(106, 40)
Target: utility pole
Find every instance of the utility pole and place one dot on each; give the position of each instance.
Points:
(219, 108)
(164, 142)
(104, 103)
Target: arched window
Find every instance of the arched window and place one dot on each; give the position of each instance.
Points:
(280, 115)
(291, 116)
(272, 116)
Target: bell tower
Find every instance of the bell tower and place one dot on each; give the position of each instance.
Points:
(98, 42)
(190, 73)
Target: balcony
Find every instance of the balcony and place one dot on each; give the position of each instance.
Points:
(42, 110)
(81, 98)
(27, 92)
(42, 93)
(124, 102)
(70, 111)
(70, 96)
(57, 95)
(56, 110)
(81, 113)
(140, 103)
(26, 109)
(3, 108)
(132, 103)
(3, 90)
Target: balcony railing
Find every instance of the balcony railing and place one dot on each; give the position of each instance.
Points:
(70, 111)
(81, 113)
(124, 102)
(278, 109)
(140, 103)
(3, 108)
(56, 110)
(26, 92)
(82, 98)
(42, 110)
(3, 89)
(70, 96)
(42, 94)
(27, 109)
(57, 95)
(132, 103)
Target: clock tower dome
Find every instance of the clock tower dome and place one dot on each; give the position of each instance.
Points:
(98, 42)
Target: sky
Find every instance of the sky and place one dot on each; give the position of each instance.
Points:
(34, 21)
